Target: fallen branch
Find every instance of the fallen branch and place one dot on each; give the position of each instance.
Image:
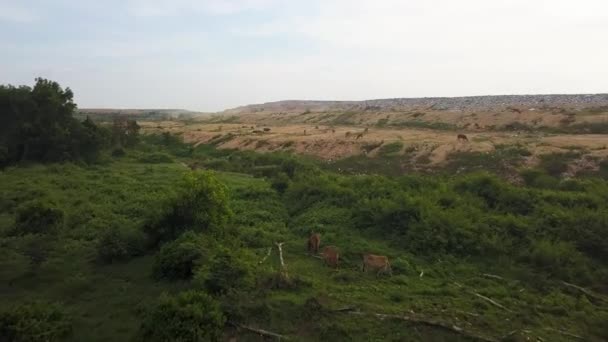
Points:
(565, 333)
(584, 290)
(490, 300)
(259, 331)
(438, 324)
(493, 276)
(266, 257)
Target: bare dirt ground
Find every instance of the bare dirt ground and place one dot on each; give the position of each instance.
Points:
(334, 142)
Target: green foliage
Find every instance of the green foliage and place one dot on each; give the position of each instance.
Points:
(37, 217)
(36, 321)
(119, 244)
(155, 158)
(189, 316)
(37, 124)
(227, 272)
(178, 259)
(560, 259)
(391, 149)
(201, 205)
(556, 163)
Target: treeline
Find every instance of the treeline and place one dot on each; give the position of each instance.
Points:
(37, 124)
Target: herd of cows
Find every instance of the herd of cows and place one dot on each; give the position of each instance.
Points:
(331, 257)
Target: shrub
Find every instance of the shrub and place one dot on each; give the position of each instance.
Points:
(227, 272)
(155, 158)
(118, 152)
(116, 244)
(557, 163)
(391, 149)
(177, 259)
(201, 205)
(189, 316)
(37, 321)
(560, 259)
(37, 217)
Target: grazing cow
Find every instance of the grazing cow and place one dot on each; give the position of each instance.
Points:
(462, 137)
(313, 243)
(347, 134)
(331, 256)
(376, 262)
(360, 135)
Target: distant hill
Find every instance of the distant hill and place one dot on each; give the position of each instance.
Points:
(469, 103)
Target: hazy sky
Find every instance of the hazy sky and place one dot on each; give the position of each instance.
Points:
(212, 54)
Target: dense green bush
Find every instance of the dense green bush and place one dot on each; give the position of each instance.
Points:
(178, 259)
(188, 316)
(227, 271)
(119, 244)
(37, 217)
(201, 205)
(37, 321)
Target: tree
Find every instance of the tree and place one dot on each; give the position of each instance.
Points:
(201, 206)
(38, 124)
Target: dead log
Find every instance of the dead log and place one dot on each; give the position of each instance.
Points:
(259, 331)
(584, 290)
(429, 322)
(565, 333)
(492, 276)
(490, 300)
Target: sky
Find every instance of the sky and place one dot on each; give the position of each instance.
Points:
(210, 55)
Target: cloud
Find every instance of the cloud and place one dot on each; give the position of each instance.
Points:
(11, 12)
(165, 8)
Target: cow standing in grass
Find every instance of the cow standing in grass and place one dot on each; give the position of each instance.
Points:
(462, 137)
(313, 243)
(331, 256)
(377, 263)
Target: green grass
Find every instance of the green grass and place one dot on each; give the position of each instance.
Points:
(107, 300)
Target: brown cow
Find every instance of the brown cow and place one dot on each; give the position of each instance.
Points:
(462, 137)
(331, 256)
(360, 135)
(313, 243)
(376, 262)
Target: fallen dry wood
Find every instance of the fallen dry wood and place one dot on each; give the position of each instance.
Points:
(584, 290)
(565, 333)
(259, 331)
(492, 276)
(266, 257)
(490, 300)
(433, 323)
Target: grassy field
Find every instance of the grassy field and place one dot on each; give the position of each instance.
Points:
(445, 293)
